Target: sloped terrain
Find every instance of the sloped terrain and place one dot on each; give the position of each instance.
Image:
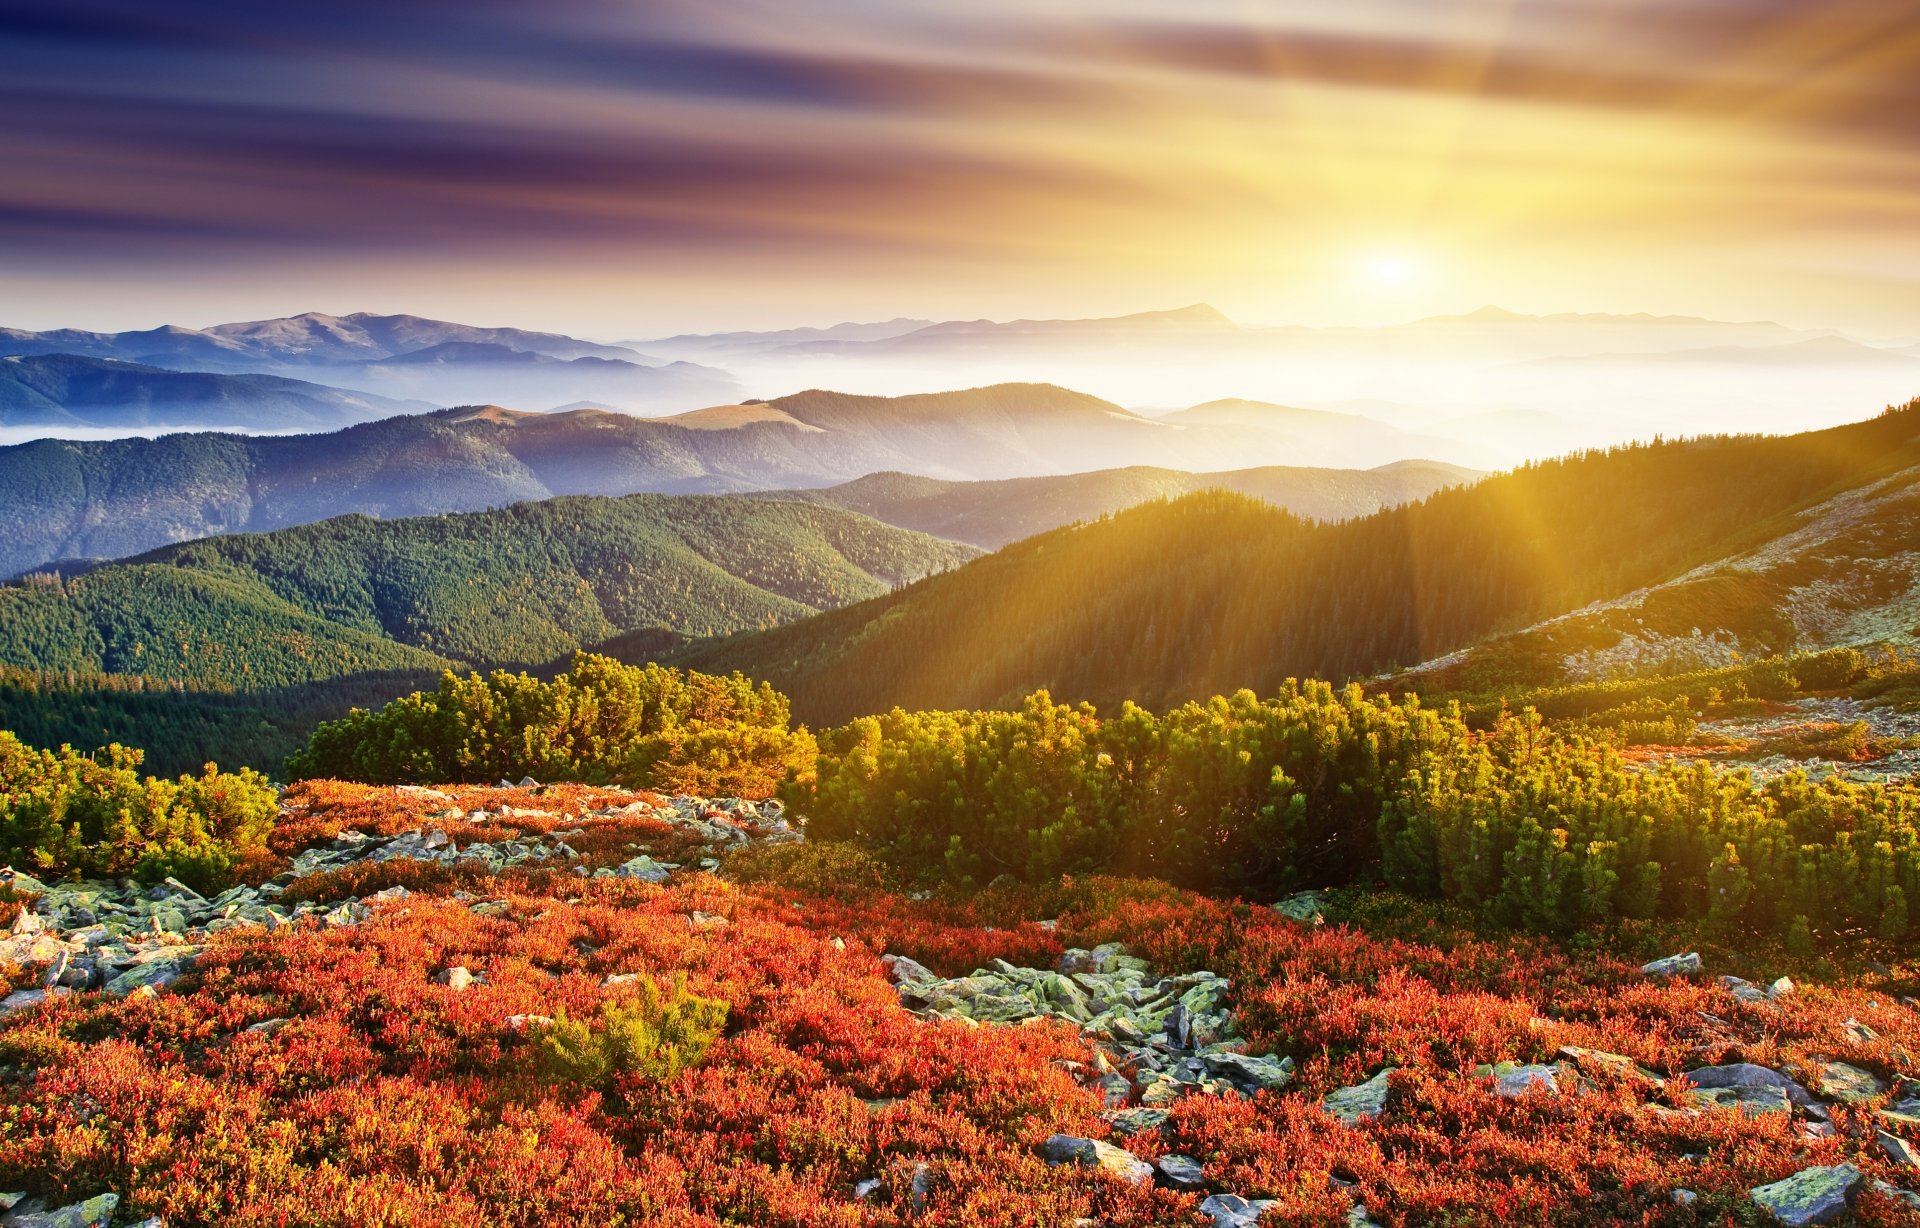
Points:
(1843, 573)
(1210, 593)
(520, 585)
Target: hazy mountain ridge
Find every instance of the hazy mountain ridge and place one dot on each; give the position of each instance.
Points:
(67, 390)
(994, 514)
(436, 361)
(63, 499)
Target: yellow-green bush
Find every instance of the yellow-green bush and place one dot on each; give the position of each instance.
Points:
(651, 1039)
(600, 722)
(64, 813)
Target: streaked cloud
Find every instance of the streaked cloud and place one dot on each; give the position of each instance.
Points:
(931, 157)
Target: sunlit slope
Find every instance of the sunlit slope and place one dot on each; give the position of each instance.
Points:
(523, 584)
(1211, 592)
(1844, 573)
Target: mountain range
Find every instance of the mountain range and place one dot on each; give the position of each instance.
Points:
(433, 361)
(62, 390)
(63, 499)
(994, 514)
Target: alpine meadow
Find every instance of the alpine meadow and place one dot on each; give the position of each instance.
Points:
(857, 615)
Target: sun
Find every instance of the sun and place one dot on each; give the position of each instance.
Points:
(1390, 269)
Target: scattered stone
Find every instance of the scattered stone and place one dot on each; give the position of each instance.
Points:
(1182, 1172)
(1746, 1075)
(1233, 1211)
(1352, 1105)
(92, 1213)
(1684, 1198)
(1674, 965)
(1850, 1084)
(456, 977)
(1904, 1108)
(904, 971)
(1897, 1149)
(1816, 1195)
(1092, 1153)
(1781, 988)
(1306, 907)
(1513, 1080)
(1612, 1065)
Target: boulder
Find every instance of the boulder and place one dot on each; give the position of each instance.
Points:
(1904, 1109)
(1849, 1084)
(1753, 1101)
(1614, 1065)
(1262, 1073)
(1897, 1150)
(1748, 1075)
(1511, 1079)
(644, 868)
(1092, 1153)
(95, 1211)
(1306, 907)
(1687, 964)
(1352, 1105)
(1182, 1172)
(456, 977)
(1817, 1195)
(1233, 1211)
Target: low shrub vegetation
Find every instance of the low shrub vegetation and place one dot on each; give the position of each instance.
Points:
(65, 814)
(600, 722)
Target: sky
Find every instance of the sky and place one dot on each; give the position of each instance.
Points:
(621, 169)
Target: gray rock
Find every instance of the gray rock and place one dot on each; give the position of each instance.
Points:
(1753, 1101)
(1352, 1105)
(1748, 1075)
(1233, 1211)
(1816, 1195)
(456, 977)
(95, 1211)
(1896, 1149)
(1684, 1198)
(644, 868)
(26, 999)
(1674, 965)
(1264, 1073)
(1306, 907)
(1850, 1084)
(1182, 1172)
(1137, 1121)
(1511, 1079)
(1093, 1153)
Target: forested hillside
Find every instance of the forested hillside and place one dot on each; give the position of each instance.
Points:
(522, 584)
(992, 514)
(1214, 592)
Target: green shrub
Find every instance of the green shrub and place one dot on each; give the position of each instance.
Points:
(63, 813)
(600, 722)
(651, 1039)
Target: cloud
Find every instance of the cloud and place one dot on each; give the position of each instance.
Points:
(996, 136)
